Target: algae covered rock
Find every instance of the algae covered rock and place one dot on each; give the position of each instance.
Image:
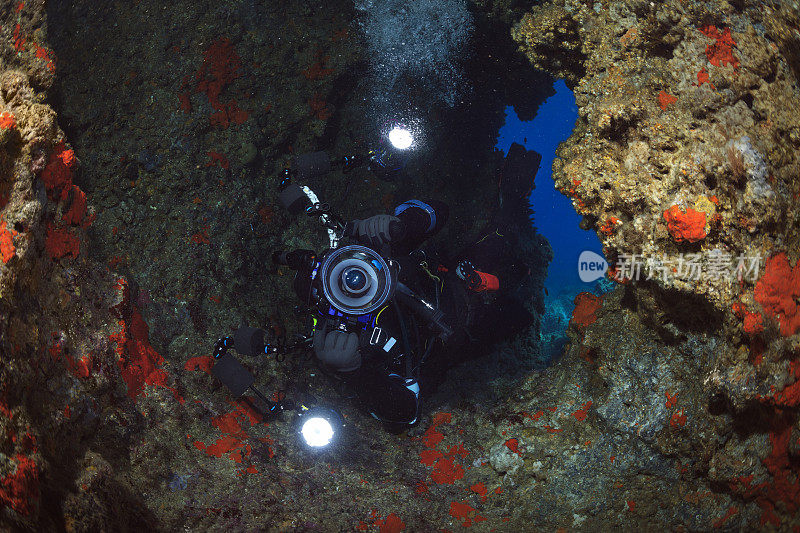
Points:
(683, 159)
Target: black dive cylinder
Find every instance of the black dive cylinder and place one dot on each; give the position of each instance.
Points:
(428, 313)
(294, 259)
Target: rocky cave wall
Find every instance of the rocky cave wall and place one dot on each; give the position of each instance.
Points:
(126, 241)
(129, 240)
(686, 153)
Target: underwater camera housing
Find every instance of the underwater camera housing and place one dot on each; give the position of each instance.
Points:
(356, 280)
(347, 284)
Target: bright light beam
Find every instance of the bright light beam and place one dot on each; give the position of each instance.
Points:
(317, 432)
(401, 138)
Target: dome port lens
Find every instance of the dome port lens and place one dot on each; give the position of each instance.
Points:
(354, 280)
(347, 293)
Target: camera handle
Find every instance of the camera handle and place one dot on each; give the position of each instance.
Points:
(236, 378)
(331, 221)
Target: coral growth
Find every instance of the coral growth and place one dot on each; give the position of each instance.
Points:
(610, 225)
(703, 77)
(778, 292)
(57, 175)
(7, 121)
(586, 307)
(61, 242)
(229, 113)
(20, 488)
(753, 323)
(221, 66)
(203, 363)
(720, 53)
(138, 362)
(465, 514)
(218, 159)
(80, 368)
(686, 225)
(77, 209)
(665, 100)
(782, 493)
(318, 70)
(7, 249)
(319, 108)
(233, 441)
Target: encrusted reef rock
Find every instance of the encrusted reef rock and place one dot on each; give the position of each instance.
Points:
(685, 159)
(59, 369)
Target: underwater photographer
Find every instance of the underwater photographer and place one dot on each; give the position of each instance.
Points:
(387, 318)
(386, 311)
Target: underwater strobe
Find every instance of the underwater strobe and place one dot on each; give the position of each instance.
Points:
(319, 426)
(388, 160)
(401, 138)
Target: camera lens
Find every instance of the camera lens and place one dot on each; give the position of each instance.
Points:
(354, 280)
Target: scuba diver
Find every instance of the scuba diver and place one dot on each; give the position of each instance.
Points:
(382, 353)
(388, 316)
(382, 364)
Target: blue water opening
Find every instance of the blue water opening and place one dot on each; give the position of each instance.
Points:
(554, 216)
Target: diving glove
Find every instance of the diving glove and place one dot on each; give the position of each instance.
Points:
(375, 231)
(337, 349)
